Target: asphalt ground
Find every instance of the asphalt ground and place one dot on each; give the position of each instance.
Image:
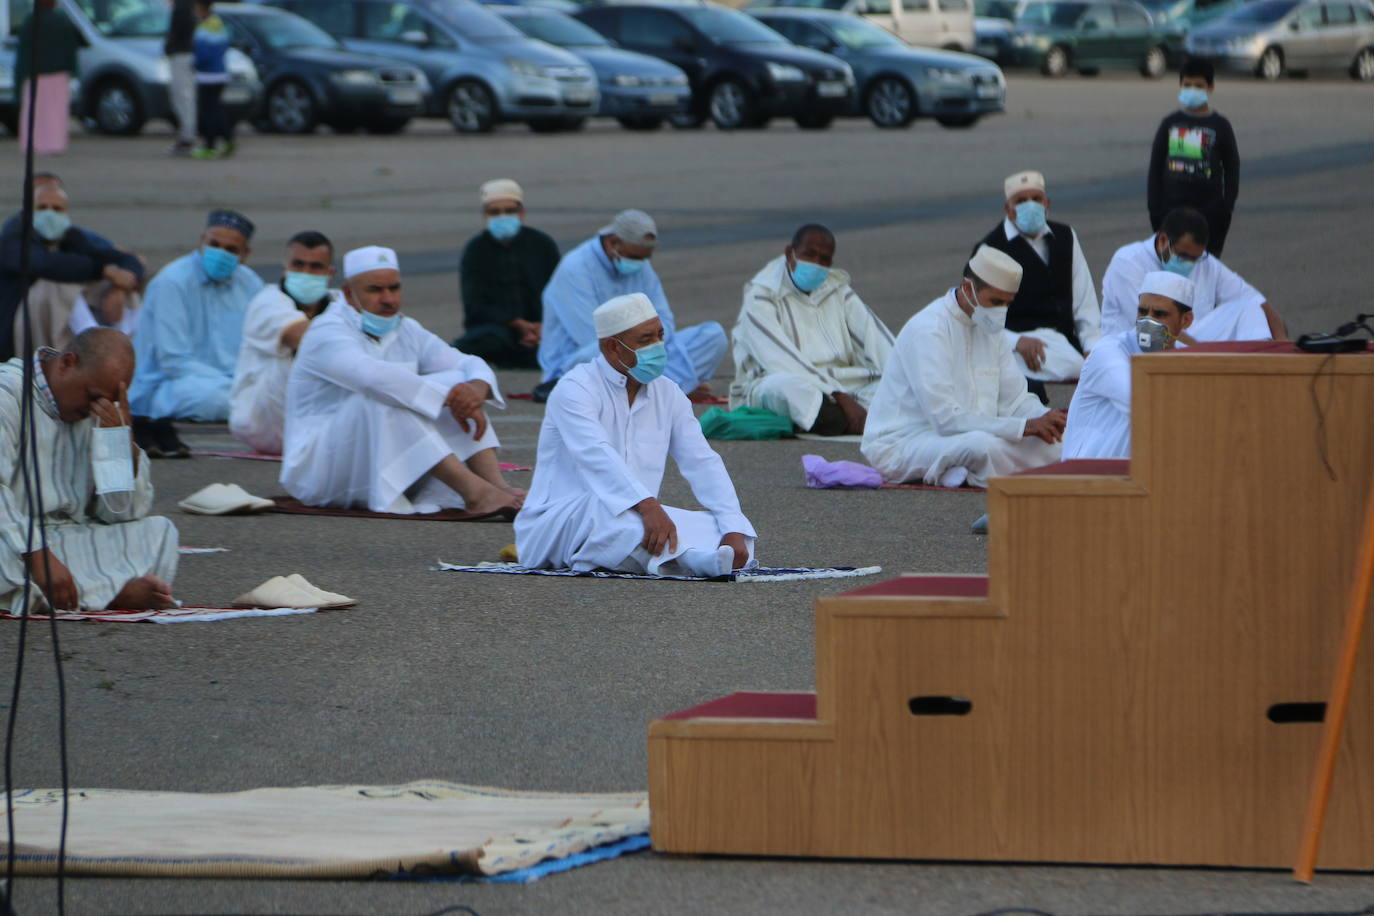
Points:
(540, 683)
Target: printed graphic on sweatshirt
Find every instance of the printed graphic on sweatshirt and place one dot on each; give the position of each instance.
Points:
(1190, 152)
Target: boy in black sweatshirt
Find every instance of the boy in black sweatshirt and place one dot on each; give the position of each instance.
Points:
(1194, 161)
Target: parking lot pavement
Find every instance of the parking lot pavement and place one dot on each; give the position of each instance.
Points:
(535, 683)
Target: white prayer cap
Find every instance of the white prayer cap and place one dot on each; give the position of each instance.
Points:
(1023, 181)
(633, 226)
(622, 313)
(373, 257)
(502, 189)
(996, 268)
(1170, 286)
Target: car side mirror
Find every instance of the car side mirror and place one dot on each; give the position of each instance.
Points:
(685, 44)
(415, 37)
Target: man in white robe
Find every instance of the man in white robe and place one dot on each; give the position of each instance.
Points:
(104, 550)
(1225, 307)
(953, 406)
(277, 319)
(806, 346)
(1100, 414)
(383, 415)
(608, 431)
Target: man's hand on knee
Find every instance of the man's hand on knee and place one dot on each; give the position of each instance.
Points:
(54, 579)
(659, 530)
(1048, 426)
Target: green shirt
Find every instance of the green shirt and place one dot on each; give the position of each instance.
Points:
(502, 282)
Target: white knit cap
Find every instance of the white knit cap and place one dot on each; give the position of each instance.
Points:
(1170, 286)
(633, 226)
(1023, 181)
(502, 189)
(622, 313)
(373, 257)
(996, 268)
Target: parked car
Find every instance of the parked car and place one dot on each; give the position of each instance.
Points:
(562, 6)
(933, 23)
(483, 69)
(993, 27)
(1090, 35)
(1271, 37)
(308, 77)
(122, 76)
(1190, 13)
(742, 73)
(896, 83)
(637, 90)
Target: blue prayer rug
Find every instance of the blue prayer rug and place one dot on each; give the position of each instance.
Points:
(757, 574)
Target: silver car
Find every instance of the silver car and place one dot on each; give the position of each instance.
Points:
(1271, 37)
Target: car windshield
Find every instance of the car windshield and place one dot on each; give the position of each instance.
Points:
(995, 9)
(731, 27)
(473, 21)
(858, 35)
(563, 31)
(1265, 11)
(128, 18)
(279, 33)
(1055, 14)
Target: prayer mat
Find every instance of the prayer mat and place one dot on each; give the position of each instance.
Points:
(416, 829)
(926, 486)
(292, 506)
(260, 456)
(848, 437)
(758, 574)
(547, 867)
(171, 615)
(187, 551)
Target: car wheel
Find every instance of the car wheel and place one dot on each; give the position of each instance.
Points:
(1056, 62)
(958, 122)
(1363, 67)
(730, 105)
(1088, 71)
(574, 124)
(640, 122)
(546, 125)
(471, 108)
(116, 109)
(1155, 62)
(291, 109)
(1270, 64)
(814, 121)
(890, 102)
(386, 125)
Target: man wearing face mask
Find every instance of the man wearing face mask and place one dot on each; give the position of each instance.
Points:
(616, 262)
(277, 319)
(104, 550)
(1225, 307)
(806, 346)
(62, 259)
(953, 407)
(504, 271)
(608, 431)
(383, 415)
(1054, 318)
(189, 333)
(1100, 414)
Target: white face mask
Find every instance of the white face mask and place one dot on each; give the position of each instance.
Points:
(112, 462)
(989, 321)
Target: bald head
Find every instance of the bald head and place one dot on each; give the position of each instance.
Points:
(97, 365)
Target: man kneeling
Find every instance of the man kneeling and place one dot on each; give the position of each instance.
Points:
(610, 426)
(104, 551)
(382, 414)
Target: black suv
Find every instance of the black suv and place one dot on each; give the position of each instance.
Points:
(742, 72)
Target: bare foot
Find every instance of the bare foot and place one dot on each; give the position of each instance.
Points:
(518, 493)
(493, 499)
(146, 593)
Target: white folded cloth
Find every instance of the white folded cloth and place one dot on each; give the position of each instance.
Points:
(223, 499)
(294, 591)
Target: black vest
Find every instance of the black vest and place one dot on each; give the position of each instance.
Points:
(1045, 299)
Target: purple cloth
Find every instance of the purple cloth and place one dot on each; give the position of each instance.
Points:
(828, 475)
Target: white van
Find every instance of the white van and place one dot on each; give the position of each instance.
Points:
(932, 23)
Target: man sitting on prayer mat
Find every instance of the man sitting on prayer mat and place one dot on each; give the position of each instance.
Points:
(1100, 414)
(383, 415)
(104, 550)
(616, 262)
(277, 319)
(1225, 307)
(189, 332)
(608, 431)
(806, 346)
(953, 406)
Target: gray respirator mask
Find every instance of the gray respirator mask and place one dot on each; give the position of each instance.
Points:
(1152, 335)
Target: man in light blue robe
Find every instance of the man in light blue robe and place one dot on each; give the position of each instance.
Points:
(616, 262)
(189, 332)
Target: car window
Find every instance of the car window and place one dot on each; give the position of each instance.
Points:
(397, 22)
(725, 26)
(953, 6)
(916, 6)
(860, 35)
(995, 9)
(605, 20)
(1263, 12)
(1310, 16)
(471, 20)
(557, 29)
(1058, 15)
(118, 18)
(652, 29)
(803, 33)
(334, 17)
(1339, 14)
(283, 31)
(1364, 14)
(1129, 17)
(1098, 18)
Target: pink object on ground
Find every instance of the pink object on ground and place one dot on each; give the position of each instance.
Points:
(53, 116)
(753, 706)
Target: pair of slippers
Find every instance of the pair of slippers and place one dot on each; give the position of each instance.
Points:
(224, 499)
(293, 591)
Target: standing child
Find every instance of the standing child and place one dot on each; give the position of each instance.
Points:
(210, 49)
(1194, 161)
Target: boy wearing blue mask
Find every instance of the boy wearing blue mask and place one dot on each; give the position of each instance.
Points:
(1194, 161)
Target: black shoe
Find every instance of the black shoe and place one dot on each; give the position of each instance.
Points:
(542, 391)
(145, 437)
(168, 440)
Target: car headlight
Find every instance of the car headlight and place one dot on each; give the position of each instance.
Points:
(626, 79)
(678, 79)
(422, 82)
(946, 74)
(848, 75)
(785, 73)
(162, 70)
(356, 77)
(524, 67)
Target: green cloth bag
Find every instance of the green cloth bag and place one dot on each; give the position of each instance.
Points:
(745, 423)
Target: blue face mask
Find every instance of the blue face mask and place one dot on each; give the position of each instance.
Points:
(1191, 97)
(1176, 265)
(377, 326)
(218, 263)
(628, 267)
(307, 289)
(650, 362)
(1030, 217)
(504, 228)
(51, 224)
(808, 277)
